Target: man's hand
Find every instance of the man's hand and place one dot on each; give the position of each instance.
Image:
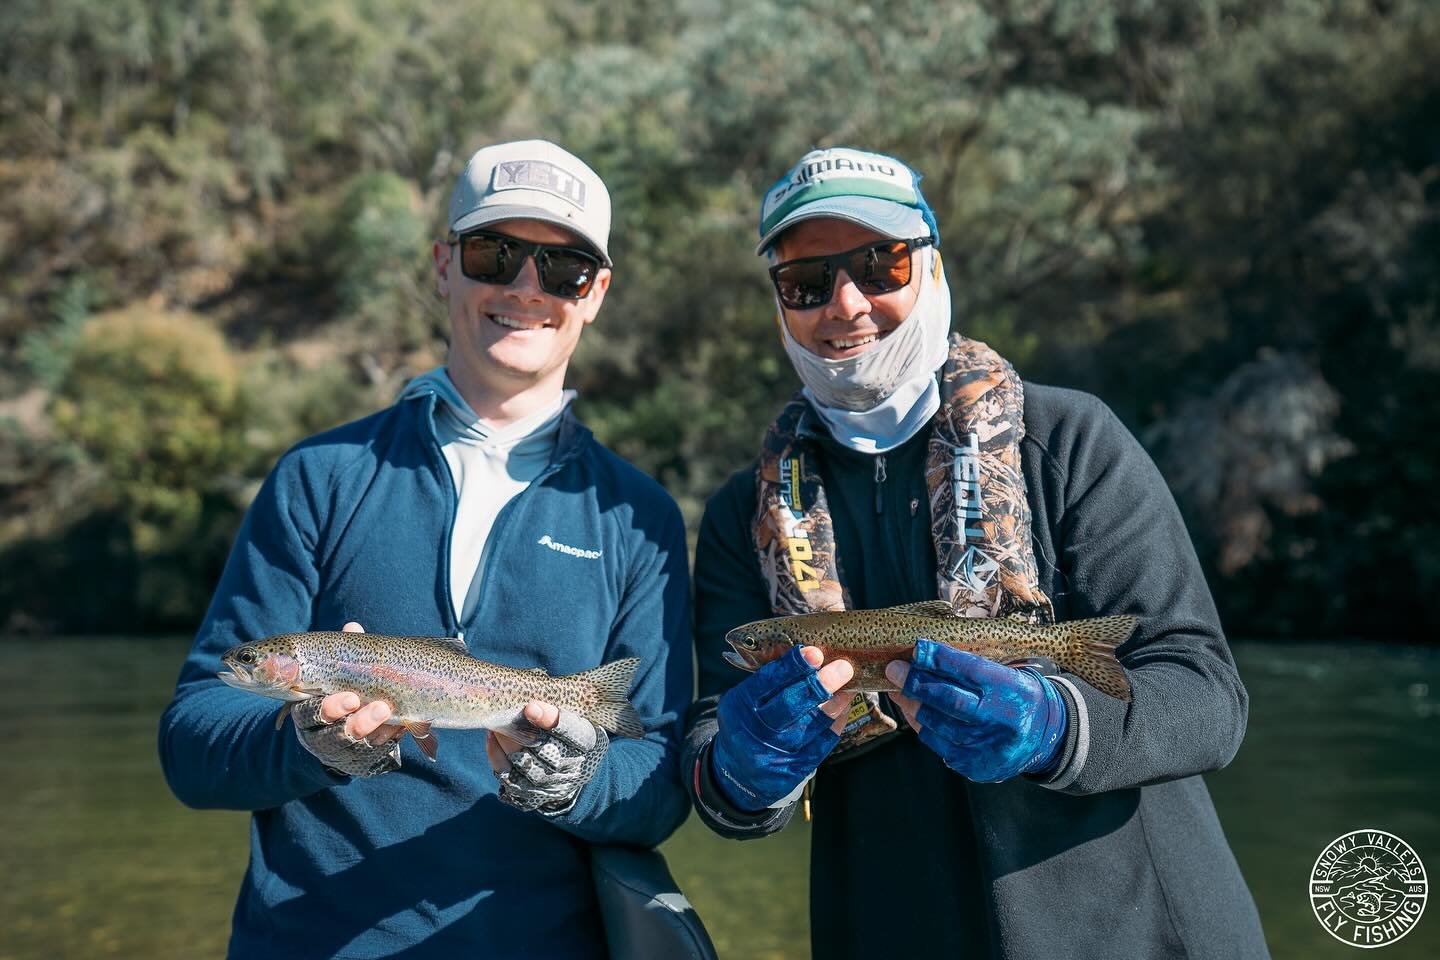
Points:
(987, 721)
(776, 726)
(547, 775)
(362, 746)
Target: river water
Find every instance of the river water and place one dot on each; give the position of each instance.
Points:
(98, 860)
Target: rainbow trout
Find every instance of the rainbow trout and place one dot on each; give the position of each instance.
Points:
(428, 682)
(870, 639)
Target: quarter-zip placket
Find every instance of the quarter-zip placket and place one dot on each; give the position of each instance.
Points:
(502, 520)
(441, 466)
(438, 463)
(879, 484)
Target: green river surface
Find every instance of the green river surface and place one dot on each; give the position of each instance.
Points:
(98, 860)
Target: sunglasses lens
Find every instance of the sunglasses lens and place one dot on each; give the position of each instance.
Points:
(494, 258)
(881, 268)
(489, 259)
(803, 286)
(809, 283)
(567, 273)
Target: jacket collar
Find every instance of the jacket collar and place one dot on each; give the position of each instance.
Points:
(570, 442)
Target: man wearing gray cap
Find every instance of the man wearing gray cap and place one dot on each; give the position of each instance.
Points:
(979, 810)
(476, 507)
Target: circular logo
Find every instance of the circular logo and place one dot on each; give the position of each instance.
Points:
(1368, 888)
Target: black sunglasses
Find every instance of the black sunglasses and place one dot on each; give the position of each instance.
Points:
(565, 272)
(809, 282)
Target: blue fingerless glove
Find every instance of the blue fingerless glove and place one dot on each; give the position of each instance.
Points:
(772, 733)
(987, 721)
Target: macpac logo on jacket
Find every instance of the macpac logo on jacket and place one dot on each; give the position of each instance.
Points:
(545, 541)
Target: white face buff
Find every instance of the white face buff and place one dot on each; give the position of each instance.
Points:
(879, 399)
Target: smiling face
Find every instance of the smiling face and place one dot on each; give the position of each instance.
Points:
(851, 322)
(512, 339)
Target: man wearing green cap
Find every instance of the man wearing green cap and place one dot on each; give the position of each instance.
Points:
(475, 507)
(981, 810)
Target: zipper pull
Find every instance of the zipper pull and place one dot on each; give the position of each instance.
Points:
(879, 479)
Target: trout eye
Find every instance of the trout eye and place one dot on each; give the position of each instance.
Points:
(748, 642)
(247, 657)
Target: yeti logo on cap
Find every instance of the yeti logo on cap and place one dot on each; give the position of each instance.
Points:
(539, 175)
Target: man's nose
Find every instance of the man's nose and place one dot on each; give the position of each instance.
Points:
(526, 285)
(848, 300)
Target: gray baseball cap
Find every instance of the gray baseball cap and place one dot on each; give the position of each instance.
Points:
(533, 180)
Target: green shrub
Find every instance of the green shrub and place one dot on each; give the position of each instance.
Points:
(151, 398)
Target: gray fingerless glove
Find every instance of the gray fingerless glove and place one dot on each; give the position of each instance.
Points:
(547, 776)
(339, 751)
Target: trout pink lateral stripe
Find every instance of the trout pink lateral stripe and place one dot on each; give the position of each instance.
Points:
(429, 682)
(425, 681)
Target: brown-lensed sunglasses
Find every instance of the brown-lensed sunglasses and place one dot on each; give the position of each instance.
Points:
(565, 272)
(809, 282)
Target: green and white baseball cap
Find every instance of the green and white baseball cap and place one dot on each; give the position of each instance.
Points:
(870, 189)
(533, 180)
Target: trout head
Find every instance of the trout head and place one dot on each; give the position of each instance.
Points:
(268, 667)
(756, 644)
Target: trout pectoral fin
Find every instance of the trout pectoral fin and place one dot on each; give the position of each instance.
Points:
(284, 712)
(424, 739)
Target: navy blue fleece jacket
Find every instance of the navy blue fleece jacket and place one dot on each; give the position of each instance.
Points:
(354, 524)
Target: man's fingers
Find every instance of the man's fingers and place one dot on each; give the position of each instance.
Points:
(339, 705)
(364, 722)
(908, 707)
(836, 674)
(353, 627)
(797, 702)
(837, 708)
(543, 715)
(960, 666)
(507, 744)
(498, 753)
(939, 691)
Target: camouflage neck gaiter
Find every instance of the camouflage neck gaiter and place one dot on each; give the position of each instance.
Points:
(979, 516)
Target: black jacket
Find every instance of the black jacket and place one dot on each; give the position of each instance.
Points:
(1119, 853)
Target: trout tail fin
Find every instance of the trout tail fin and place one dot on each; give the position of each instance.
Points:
(614, 712)
(1090, 652)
